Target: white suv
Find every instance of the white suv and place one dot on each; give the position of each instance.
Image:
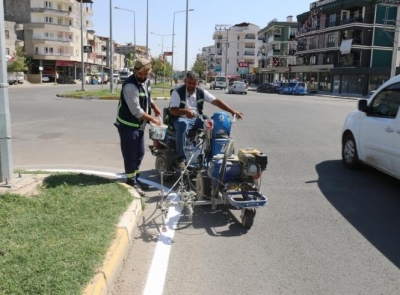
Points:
(372, 133)
(218, 82)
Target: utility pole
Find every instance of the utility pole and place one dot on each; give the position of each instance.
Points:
(395, 44)
(111, 51)
(82, 62)
(6, 161)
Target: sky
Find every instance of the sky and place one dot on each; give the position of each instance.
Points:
(201, 21)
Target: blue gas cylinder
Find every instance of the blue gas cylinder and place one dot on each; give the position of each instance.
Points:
(222, 124)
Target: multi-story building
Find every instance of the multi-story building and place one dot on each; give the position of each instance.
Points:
(52, 33)
(277, 50)
(207, 57)
(346, 46)
(235, 46)
(13, 37)
(125, 49)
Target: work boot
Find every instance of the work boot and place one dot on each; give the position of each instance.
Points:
(136, 186)
(143, 186)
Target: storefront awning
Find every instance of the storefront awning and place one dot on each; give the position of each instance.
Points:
(345, 47)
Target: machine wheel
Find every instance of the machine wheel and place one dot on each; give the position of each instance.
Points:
(203, 185)
(164, 164)
(247, 216)
(349, 152)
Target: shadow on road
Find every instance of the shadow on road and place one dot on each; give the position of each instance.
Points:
(369, 200)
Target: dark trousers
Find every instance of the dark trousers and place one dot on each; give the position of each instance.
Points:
(132, 148)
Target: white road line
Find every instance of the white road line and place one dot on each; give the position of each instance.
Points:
(159, 265)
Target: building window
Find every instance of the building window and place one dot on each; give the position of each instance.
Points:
(70, 8)
(36, 50)
(70, 22)
(48, 4)
(314, 23)
(313, 60)
(46, 50)
(51, 50)
(237, 53)
(59, 21)
(46, 35)
(7, 34)
(48, 19)
(331, 40)
(8, 51)
(277, 32)
(332, 18)
(70, 37)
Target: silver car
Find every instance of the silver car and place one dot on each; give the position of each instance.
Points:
(237, 87)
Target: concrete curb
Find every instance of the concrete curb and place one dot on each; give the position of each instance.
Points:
(105, 277)
(88, 97)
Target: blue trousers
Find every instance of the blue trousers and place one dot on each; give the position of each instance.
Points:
(132, 148)
(182, 127)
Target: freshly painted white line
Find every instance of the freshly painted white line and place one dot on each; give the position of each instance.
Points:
(159, 265)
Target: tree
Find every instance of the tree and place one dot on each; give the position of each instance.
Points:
(19, 64)
(158, 64)
(198, 67)
(130, 58)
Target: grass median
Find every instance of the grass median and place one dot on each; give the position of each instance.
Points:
(53, 242)
(156, 91)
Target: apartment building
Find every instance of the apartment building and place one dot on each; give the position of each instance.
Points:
(14, 38)
(235, 49)
(207, 57)
(277, 51)
(345, 46)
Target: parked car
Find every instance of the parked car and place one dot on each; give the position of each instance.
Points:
(237, 87)
(14, 78)
(219, 82)
(371, 134)
(281, 87)
(268, 88)
(299, 88)
(45, 79)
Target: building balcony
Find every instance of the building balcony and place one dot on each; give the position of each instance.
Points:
(352, 20)
(57, 56)
(330, 24)
(330, 44)
(51, 26)
(89, 11)
(50, 40)
(50, 11)
(250, 53)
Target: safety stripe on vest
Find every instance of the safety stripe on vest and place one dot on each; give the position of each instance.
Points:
(123, 121)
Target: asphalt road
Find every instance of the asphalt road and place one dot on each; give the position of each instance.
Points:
(326, 229)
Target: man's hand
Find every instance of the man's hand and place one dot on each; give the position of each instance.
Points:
(239, 115)
(156, 110)
(155, 121)
(191, 114)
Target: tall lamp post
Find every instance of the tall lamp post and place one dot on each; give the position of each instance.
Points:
(134, 26)
(186, 36)
(162, 53)
(147, 29)
(82, 63)
(173, 34)
(111, 52)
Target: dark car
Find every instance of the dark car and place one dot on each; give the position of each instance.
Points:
(267, 88)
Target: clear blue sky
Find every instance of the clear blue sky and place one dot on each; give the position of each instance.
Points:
(202, 21)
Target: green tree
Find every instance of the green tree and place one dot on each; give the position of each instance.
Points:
(198, 67)
(19, 64)
(130, 58)
(158, 64)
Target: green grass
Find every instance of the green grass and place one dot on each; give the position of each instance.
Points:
(53, 243)
(157, 90)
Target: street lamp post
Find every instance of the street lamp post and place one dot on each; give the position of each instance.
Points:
(147, 30)
(162, 53)
(186, 37)
(173, 34)
(111, 52)
(134, 26)
(82, 63)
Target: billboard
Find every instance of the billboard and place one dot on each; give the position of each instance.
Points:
(217, 68)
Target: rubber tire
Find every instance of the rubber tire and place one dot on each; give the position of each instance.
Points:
(203, 185)
(164, 164)
(247, 216)
(349, 152)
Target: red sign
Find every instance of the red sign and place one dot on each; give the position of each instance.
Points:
(167, 53)
(243, 64)
(65, 63)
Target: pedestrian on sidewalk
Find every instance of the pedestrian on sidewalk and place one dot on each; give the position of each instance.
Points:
(134, 112)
